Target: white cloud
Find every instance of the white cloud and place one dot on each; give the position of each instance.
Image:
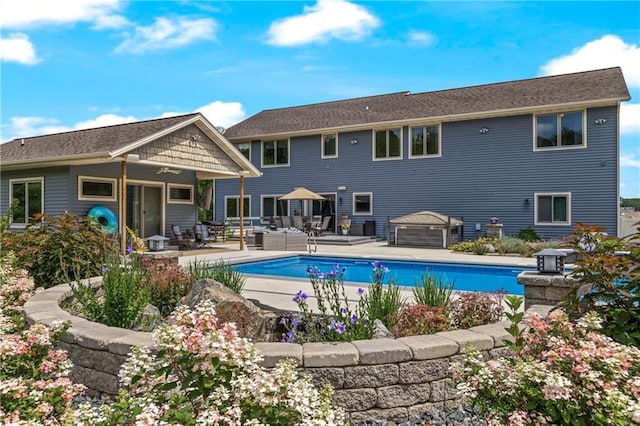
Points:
(18, 48)
(629, 160)
(607, 51)
(32, 13)
(327, 19)
(168, 33)
(629, 118)
(107, 22)
(224, 114)
(422, 38)
(34, 126)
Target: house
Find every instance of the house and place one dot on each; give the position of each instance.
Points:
(540, 152)
(156, 163)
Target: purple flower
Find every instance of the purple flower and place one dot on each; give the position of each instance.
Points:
(105, 269)
(283, 321)
(332, 325)
(294, 322)
(129, 249)
(376, 264)
(300, 297)
(360, 291)
(310, 270)
(354, 318)
(386, 270)
(340, 327)
(343, 310)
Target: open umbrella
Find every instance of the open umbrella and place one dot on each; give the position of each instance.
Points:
(302, 194)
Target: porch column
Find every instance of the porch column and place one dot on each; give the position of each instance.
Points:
(242, 174)
(123, 207)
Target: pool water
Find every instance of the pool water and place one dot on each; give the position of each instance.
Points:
(406, 273)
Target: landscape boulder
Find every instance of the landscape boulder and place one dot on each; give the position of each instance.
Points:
(251, 322)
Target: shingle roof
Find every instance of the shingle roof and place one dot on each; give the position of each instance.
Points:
(584, 87)
(88, 141)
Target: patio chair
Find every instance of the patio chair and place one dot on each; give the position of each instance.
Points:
(286, 221)
(298, 223)
(203, 237)
(278, 221)
(322, 226)
(182, 239)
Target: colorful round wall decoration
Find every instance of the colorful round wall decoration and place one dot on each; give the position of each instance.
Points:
(105, 218)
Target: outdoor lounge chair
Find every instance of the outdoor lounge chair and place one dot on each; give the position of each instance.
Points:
(286, 221)
(323, 226)
(182, 239)
(298, 223)
(203, 237)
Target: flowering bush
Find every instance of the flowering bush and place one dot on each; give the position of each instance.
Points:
(34, 383)
(336, 321)
(561, 373)
(206, 375)
(167, 283)
(609, 284)
(474, 308)
(418, 318)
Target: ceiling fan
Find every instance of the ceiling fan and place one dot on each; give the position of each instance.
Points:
(168, 170)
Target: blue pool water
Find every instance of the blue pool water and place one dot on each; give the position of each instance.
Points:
(406, 273)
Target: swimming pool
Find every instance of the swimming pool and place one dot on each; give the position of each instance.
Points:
(468, 277)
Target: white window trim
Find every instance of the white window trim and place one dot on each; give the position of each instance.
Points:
(263, 196)
(250, 150)
(25, 180)
(560, 148)
(353, 204)
(113, 181)
(237, 197)
(373, 144)
(181, 186)
(268, 166)
(551, 194)
(322, 154)
(439, 154)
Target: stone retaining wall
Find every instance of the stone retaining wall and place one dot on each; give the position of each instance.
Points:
(373, 379)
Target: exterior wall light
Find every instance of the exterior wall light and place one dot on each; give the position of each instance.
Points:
(600, 121)
(353, 141)
(484, 130)
(550, 261)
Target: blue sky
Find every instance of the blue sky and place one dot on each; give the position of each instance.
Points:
(84, 63)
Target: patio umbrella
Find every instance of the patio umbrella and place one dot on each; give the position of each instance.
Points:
(302, 194)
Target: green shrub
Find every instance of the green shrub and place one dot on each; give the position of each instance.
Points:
(529, 234)
(125, 295)
(220, 271)
(167, 283)
(382, 301)
(472, 308)
(511, 245)
(433, 290)
(55, 250)
(416, 319)
(609, 284)
(480, 248)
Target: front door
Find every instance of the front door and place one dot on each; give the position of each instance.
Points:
(144, 209)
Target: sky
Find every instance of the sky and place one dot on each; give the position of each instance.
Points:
(74, 64)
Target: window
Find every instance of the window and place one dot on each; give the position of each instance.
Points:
(96, 188)
(275, 153)
(553, 209)
(232, 206)
(363, 203)
(563, 130)
(27, 197)
(271, 206)
(425, 142)
(329, 146)
(179, 194)
(387, 144)
(245, 149)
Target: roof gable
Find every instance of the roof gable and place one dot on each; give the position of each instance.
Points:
(605, 85)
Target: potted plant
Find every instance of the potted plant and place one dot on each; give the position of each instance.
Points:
(345, 228)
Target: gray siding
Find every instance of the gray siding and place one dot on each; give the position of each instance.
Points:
(478, 176)
(56, 184)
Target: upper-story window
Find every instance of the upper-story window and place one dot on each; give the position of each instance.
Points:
(387, 144)
(27, 199)
(245, 149)
(425, 141)
(330, 146)
(562, 130)
(275, 153)
(96, 188)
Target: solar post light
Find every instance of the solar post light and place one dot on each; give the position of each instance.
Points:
(157, 243)
(550, 261)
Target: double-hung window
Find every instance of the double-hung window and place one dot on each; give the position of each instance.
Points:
(271, 206)
(232, 206)
(245, 149)
(363, 203)
(330, 146)
(562, 130)
(27, 199)
(387, 144)
(275, 153)
(425, 141)
(553, 209)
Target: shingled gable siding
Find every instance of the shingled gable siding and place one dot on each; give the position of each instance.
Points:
(479, 176)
